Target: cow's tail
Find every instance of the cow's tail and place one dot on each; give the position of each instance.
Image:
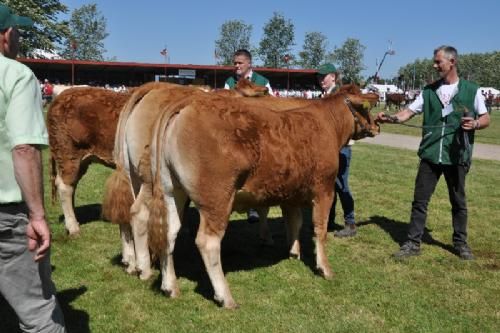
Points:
(118, 197)
(158, 224)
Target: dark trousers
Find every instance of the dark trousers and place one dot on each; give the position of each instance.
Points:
(342, 187)
(427, 178)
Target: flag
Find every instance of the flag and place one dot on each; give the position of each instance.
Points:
(163, 52)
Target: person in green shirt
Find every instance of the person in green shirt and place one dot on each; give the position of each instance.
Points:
(453, 109)
(25, 268)
(242, 60)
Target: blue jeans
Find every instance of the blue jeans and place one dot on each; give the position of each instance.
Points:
(342, 187)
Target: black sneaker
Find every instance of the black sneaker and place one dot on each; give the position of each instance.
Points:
(464, 252)
(253, 216)
(348, 231)
(408, 249)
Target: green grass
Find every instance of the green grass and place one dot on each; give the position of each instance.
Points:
(436, 292)
(490, 135)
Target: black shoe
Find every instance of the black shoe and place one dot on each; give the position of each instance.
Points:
(348, 231)
(253, 216)
(464, 252)
(408, 249)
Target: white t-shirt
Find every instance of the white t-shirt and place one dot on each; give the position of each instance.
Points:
(445, 93)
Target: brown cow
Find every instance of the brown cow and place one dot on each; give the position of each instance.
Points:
(395, 99)
(224, 154)
(81, 123)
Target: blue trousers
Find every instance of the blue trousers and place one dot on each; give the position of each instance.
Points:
(342, 187)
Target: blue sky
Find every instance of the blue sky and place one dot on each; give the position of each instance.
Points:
(139, 30)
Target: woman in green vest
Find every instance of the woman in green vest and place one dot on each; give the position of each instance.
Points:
(453, 110)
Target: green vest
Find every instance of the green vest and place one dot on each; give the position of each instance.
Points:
(446, 144)
(256, 78)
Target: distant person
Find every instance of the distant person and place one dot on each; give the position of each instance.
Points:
(47, 91)
(328, 78)
(242, 60)
(445, 149)
(25, 269)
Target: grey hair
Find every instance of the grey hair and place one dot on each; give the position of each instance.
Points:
(449, 51)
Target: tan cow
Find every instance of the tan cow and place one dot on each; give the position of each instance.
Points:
(224, 154)
(129, 156)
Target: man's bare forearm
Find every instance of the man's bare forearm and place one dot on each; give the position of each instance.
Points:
(28, 172)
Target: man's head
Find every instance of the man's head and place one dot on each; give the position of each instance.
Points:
(9, 35)
(242, 61)
(327, 76)
(445, 62)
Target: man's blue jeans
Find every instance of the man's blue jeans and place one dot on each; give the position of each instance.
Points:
(342, 187)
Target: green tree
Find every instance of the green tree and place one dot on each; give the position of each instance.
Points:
(349, 57)
(313, 51)
(88, 31)
(47, 31)
(277, 41)
(234, 35)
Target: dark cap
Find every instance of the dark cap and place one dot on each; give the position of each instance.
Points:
(8, 19)
(327, 68)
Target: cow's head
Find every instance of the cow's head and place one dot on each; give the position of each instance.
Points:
(249, 89)
(360, 105)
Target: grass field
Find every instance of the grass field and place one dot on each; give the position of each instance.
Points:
(490, 135)
(436, 292)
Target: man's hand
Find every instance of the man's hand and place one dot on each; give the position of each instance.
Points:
(382, 117)
(38, 237)
(469, 123)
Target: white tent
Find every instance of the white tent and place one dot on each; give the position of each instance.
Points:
(382, 89)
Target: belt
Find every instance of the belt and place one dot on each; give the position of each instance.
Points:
(12, 205)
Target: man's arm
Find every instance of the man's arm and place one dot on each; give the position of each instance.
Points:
(399, 117)
(27, 161)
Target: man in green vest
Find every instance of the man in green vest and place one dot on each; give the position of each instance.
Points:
(242, 60)
(453, 110)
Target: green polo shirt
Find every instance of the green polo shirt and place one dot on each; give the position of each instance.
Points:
(21, 120)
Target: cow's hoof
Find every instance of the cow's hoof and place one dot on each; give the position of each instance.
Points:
(326, 273)
(266, 242)
(145, 275)
(131, 270)
(294, 255)
(228, 304)
(73, 231)
(173, 293)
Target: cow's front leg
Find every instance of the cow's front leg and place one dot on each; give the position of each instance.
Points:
(265, 235)
(293, 219)
(321, 210)
(66, 193)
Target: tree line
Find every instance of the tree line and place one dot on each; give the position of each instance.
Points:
(82, 38)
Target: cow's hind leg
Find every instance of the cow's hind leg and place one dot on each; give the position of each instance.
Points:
(66, 195)
(293, 219)
(321, 210)
(139, 216)
(128, 252)
(175, 210)
(212, 227)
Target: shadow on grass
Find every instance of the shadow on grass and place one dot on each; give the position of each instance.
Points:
(77, 321)
(86, 213)
(398, 231)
